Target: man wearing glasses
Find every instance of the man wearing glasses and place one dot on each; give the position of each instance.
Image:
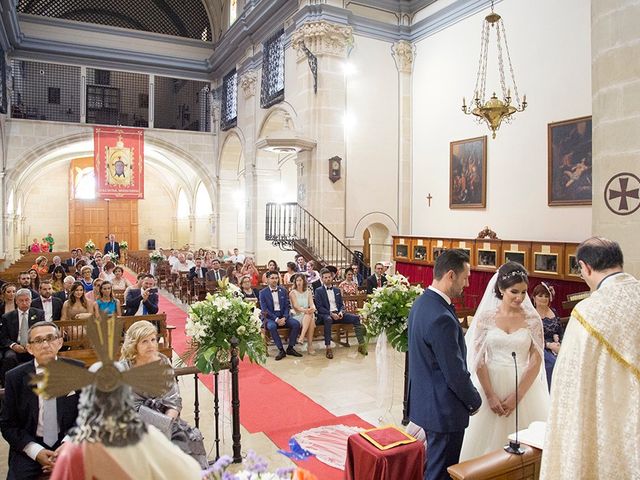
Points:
(34, 427)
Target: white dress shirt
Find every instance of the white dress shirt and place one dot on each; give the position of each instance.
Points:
(333, 307)
(442, 294)
(276, 300)
(47, 306)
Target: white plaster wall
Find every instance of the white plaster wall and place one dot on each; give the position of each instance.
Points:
(155, 212)
(552, 61)
(371, 164)
(46, 206)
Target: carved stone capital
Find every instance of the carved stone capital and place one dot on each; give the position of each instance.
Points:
(403, 53)
(248, 82)
(322, 38)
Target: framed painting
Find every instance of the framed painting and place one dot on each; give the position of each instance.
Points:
(545, 263)
(487, 258)
(468, 173)
(570, 162)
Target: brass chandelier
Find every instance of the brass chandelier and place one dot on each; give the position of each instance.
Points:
(495, 110)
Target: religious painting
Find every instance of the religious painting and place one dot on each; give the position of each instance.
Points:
(402, 250)
(119, 162)
(574, 266)
(468, 173)
(518, 257)
(545, 263)
(419, 253)
(487, 258)
(437, 251)
(570, 162)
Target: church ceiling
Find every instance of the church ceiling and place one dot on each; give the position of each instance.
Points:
(180, 18)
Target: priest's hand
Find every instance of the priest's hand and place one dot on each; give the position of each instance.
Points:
(509, 404)
(495, 405)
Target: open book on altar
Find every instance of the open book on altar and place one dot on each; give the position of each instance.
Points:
(532, 436)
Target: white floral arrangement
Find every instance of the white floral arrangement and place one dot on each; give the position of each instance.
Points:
(214, 321)
(124, 245)
(156, 256)
(90, 246)
(387, 310)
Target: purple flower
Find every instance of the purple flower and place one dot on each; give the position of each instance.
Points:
(285, 472)
(255, 463)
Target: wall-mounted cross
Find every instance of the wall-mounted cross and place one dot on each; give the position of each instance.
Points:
(429, 197)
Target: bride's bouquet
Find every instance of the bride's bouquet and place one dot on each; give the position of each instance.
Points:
(387, 310)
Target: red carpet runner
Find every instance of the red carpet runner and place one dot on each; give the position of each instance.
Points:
(270, 405)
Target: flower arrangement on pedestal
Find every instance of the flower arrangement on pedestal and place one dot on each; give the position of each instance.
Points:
(156, 256)
(124, 245)
(387, 310)
(89, 246)
(214, 321)
(256, 469)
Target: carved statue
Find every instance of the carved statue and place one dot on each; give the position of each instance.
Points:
(488, 233)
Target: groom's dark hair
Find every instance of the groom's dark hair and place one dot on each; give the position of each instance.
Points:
(452, 259)
(600, 253)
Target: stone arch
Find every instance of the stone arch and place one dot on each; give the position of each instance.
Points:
(271, 122)
(373, 218)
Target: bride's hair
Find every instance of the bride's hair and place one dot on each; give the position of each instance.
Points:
(509, 274)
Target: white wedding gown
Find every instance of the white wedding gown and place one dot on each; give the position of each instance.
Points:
(487, 431)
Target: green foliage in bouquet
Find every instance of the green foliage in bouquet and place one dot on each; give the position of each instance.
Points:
(214, 321)
(387, 311)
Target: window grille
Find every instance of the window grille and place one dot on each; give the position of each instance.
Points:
(182, 18)
(3, 83)
(114, 98)
(229, 114)
(181, 104)
(33, 86)
(272, 89)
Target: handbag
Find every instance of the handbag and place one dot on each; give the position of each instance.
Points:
(159, 420)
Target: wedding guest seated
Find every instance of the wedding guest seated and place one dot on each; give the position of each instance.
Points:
(143, 300)
(77, 307)
(57, 262)
(356, 274)
(553, 332)
(140, 348)
(139, 277)
(98, 264)
(272, 266)
(35, 246)
(34, 279)
(249, 268)
(33, 426)
(313, 277)
(349, 286)
(107, 273)
(50, 305)
(303, 308)
(198, 271)
(215, 274)
(247, 291)
(173, 258)
(91, 296)
(13, 332)
(57, 279)
(291, 271)
(25, 281)
(86, 277)
(274, 303)
(190, 260)
(231, 273)
(181, 265)
(237, 257)
(301, 264)
(331, 310)
(71, 262)
(81, 263)
(378, 279)
(105, 301)
(119, 282)
(67, 283)
(220, 256)
(8, 298)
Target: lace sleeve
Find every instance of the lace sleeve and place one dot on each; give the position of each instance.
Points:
(477, 355)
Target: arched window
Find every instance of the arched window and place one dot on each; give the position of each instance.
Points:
(183, 205)
(233, 11)
(85, 184)
(203, 202)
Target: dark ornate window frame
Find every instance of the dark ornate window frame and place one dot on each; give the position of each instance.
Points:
(229, 107)
(272, 88)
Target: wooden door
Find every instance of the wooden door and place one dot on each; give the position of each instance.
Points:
(93, 219)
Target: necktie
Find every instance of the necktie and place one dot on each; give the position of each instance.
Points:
(379, 282)
(50, 422)
(217, 275)
(24, 329)
(47, 300)
(112, 247)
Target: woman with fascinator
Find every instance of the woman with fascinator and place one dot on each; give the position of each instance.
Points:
(505, 323)
(543, 295)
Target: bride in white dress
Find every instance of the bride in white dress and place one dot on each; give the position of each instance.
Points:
(506, 322)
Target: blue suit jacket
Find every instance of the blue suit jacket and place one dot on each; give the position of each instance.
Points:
(132, 302)
(266, 303)
(322, 300)
(441, 395)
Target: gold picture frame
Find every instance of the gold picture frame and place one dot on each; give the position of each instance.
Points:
(573, 267)
(546, 263)
(487, 258)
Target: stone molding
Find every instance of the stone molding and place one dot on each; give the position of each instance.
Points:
(322, 38)
(403, 53)
(248, 82)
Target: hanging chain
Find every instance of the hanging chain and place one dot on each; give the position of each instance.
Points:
(500, 61)
(513, 76)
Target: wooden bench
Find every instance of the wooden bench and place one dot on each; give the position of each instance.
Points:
(78, 345)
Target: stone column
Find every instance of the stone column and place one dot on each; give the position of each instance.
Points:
(322, 117)
(615, 50)
(174, 232)
(192, 231)
(403, 53)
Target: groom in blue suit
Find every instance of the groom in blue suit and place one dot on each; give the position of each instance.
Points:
(441, 395)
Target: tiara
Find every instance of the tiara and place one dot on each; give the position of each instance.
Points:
(515, 273)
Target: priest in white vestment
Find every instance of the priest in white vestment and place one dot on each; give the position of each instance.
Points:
(594, 420)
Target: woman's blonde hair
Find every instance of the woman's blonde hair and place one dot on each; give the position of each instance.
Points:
(135, 333)
(85, 268)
